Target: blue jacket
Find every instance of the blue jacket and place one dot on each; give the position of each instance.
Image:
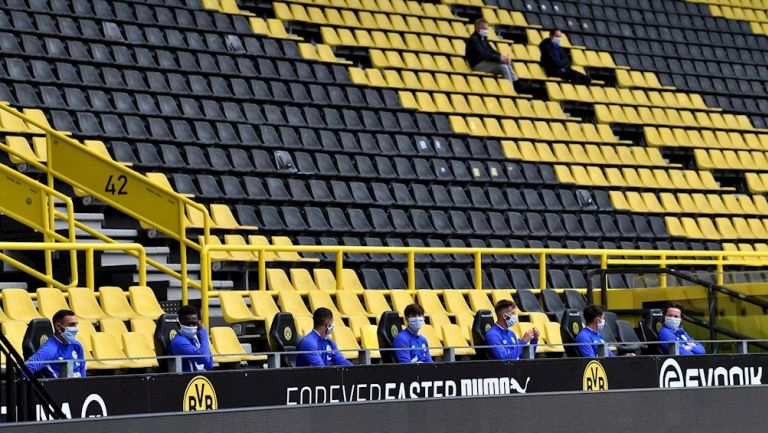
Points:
(507, 344)
(54, 349)
(317, 343)
(199, 345)
(414, 348)
(587, 335)
(687, 346)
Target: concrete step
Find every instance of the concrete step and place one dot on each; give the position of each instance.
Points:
(119, 258)
(13, 285)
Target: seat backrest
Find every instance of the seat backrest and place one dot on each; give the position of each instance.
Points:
(528, 301)
(552, 302)
(18, 305)
(225, 341)
(575, 300)
(145, 327)
(390, 325)
(610, 322)
(166, 328)
(136, 345)
(50, 300)
(84, 304)
(570, 326)
(651, 324)
(113, 326)
(325, 279)
(38, 331)
(144, 302)
(627, 333)
(283, 336)
(480, 326)
(115, 304)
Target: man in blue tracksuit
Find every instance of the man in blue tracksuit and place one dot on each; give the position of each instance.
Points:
(590, 337)
(191, 342)
(323, 349)
(413, 347)
(672, 331)
(62, 347)
(505, 342)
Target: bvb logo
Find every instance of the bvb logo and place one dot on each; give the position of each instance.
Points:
(576, 327)
(200, 395)
(287, 333)
(171, 334)
(595, 378)
(394, 330)
(658, 326)
(487, 327)
(43, 339)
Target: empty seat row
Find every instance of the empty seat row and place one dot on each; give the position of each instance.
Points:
(624, 96)
(715, 159)
(481, 105)
(671, 117)
(628, 177)
(680, 137)
(698, 203)
(576, 153)
(717, 228)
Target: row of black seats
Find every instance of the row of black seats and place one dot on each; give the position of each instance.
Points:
(420, 194)
(86, 22)
(463, 259)
(274, 93)
(712, 68)
(236, 134)
(549, 225)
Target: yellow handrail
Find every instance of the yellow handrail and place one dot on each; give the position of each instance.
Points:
(73, 247)
(717, 258)
(71, 174)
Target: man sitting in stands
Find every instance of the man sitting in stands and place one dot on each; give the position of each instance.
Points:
(324, 349)
(505, 342)
(483, 58)
(590, 337)
(672, 331)
(557, 62)
(61, 347)
(413, 347)
(192, 342)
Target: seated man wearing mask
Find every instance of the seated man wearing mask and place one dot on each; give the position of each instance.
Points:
(413, 347)
(557, 62)
(507, 345)
(323, 349)
(62, 346)
(191, 342)
(483, 58)
(672, 331)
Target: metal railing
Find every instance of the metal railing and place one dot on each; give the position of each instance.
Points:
(651, 258)
(137, 251)
(72, 173)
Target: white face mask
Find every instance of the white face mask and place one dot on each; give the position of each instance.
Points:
(672, 322)
(601, 325)
(511, 320)
(557, 40)
(329, 329)
(69, 333)
(483, 33)
(415, 324)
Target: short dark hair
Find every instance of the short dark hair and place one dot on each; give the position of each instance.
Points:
(321, 315)
(413, 310)
(61, 314)
(481, 21)
(592, 312)
(503, 305)
(187, 310)
(671, 305)
(553, 31)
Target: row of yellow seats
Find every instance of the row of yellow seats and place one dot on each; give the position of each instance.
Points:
(720, 228)
(482, 105)
(679, 137)
(109, 301)
(441, 82)
(742, 12)
(337, 17)
(622, 96)
(14, 124)
(253, 256)
(747, 248)
(38, 150)
(504, 17)
(715, 159)
(320, 53)
(402, 7)
(576, 153)
(642, 79)
(670, 116)
(683, 203)
(222, 218)
(392, 40)
(628, 177)
(757, 182)
(534, 130)
(272, 27)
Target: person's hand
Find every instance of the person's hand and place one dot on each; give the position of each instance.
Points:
(528, 336)
(630, 354)
(536, 332)
(200, 326)
(506, 59)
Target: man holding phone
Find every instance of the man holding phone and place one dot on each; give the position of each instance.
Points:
(191, 341)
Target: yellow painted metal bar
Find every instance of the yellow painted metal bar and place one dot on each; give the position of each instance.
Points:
(411, 272)
(205, 282)
(339, 269)
(543, 270)
(262, 268)
(663, 265)
(89, 271)
(478, 270)
(720, 271)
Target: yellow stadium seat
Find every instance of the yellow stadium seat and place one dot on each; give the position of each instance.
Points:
(84, 304)
(350, 281)
(325, 279)
(234, 309)
(429, 300)
(401, 299)
(263, 305)
(278, 281)
(346, 342)
(225, 344)
(136, 346)
(49, 301)
(18, 305)
(455, 302)
(14, 331)
(369, 340)
(115, 303)
(237, 240)
(350, 305)
(433, 339)
(290, 301)
(108, 350)
(113, 326)
(145, 327)
(453, 337)
(319, 298)
(376, 303)
(144, 302)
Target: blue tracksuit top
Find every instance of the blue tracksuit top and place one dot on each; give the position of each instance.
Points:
(199, 345)
(414, 348)
(315, 342)
(54, 349)
(587, 335)
(508, 346)
(687, 345)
